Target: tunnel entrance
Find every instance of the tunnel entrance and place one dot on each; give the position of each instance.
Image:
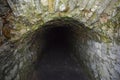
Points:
(56, 41)
(58, 38)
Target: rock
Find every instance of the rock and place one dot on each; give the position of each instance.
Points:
(44, 2)
(62, 7)
(3, 10)
(14, 71)
(57, 5)
(1, 25)
(72, 4)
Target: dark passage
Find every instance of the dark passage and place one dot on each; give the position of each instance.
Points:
(55, 60)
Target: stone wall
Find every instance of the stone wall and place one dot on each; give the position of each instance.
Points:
(16, 61)
(100, 15)
(101, 58)
(87, 11)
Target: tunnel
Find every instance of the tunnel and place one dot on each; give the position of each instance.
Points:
(56, 53)
(59, 39)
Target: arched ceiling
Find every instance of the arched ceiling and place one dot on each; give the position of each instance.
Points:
(100, 15)
(87, 11)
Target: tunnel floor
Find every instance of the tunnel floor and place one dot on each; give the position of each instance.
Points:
(57, 65)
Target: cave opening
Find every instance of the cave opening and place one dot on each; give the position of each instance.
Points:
(56, 41)
(58, 38)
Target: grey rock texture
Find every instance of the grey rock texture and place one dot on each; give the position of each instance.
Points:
(100, 58)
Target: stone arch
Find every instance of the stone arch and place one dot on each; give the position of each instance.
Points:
(99, 53)
(66, 34)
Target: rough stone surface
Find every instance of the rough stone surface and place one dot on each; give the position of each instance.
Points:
(96, 14)
(14, 64)
(103, 16)
(102, 58)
